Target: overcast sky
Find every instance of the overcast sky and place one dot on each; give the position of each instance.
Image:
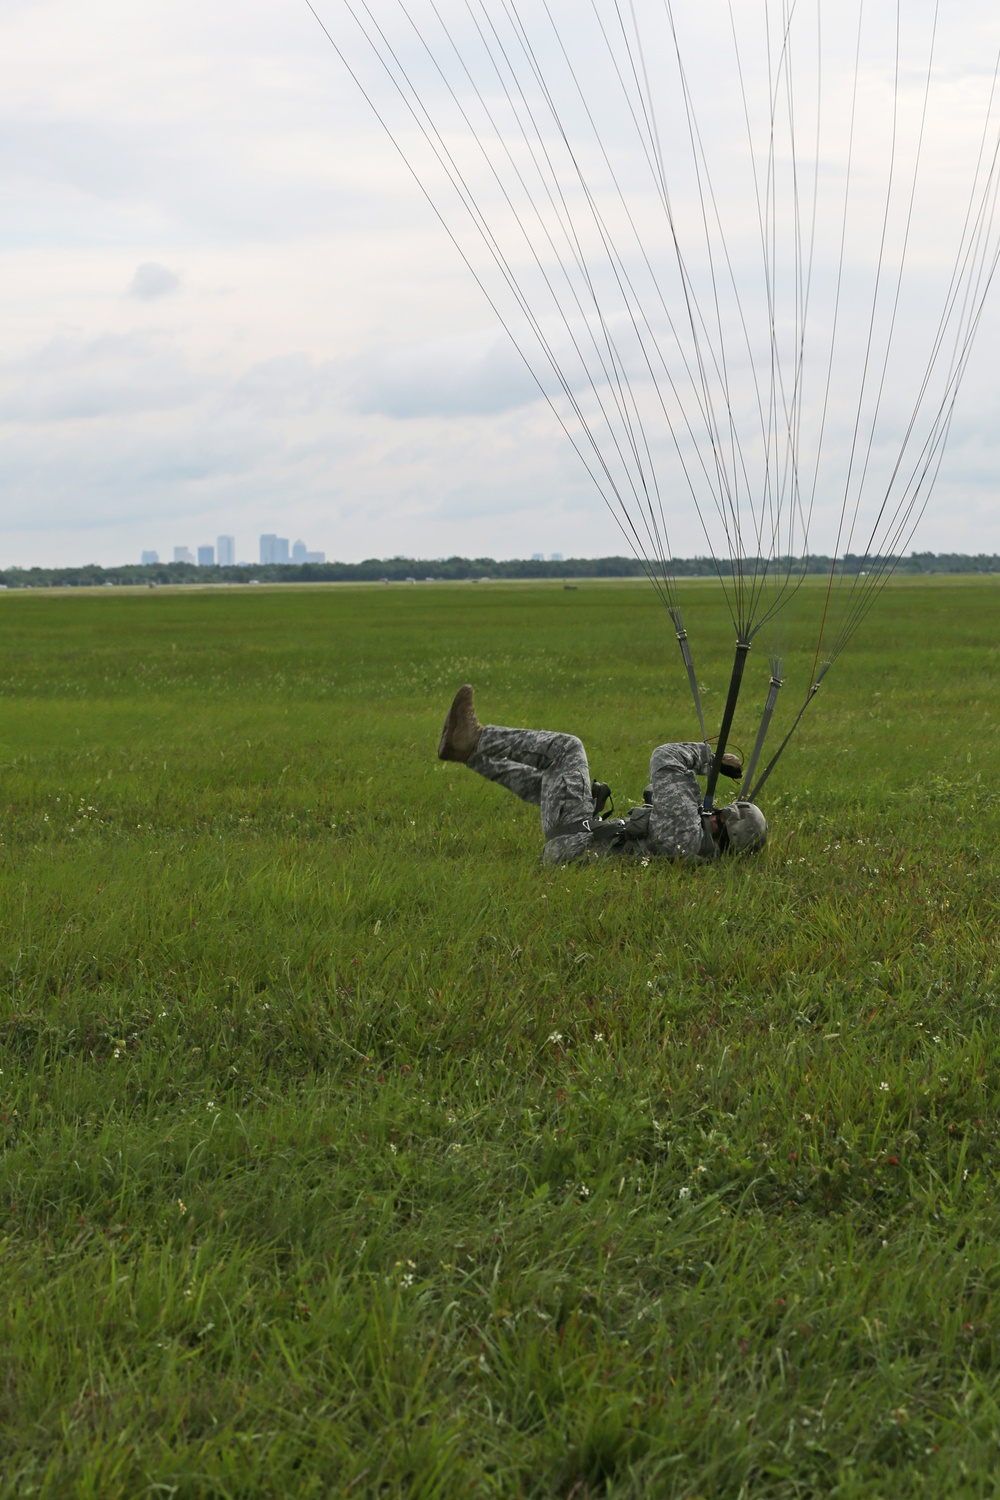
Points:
(227, 309)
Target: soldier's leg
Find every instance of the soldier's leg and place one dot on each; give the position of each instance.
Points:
(675, 826)
(540, 766)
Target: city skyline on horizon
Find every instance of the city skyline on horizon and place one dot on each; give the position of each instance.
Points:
(272, 549)
(914, 559)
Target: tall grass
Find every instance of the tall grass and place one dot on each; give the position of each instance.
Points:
(346, 1150)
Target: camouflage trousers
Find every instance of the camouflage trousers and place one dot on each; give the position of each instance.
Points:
(551, 770)
(548, 769)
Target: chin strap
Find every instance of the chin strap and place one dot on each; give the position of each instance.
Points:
(709, 843)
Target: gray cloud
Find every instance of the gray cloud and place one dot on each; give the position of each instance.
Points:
(101, 179)
(288, 385)
(92, 474)
(153, 280)
(93, 157)
(447, 378)
(443, 380)
(79, 379)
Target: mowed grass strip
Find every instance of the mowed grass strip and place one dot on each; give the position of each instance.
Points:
(345, 1150)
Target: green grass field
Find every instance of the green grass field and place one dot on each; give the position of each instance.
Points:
(346, 1151)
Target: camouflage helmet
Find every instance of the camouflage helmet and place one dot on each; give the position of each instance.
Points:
(746, 827)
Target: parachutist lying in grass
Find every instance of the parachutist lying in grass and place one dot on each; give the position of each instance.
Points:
(551, 769)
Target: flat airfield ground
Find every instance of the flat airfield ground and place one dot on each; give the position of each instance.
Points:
(344, 1150)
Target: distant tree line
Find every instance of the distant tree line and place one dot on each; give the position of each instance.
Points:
(408, 569)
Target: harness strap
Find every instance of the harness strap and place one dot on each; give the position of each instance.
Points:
(602, 833)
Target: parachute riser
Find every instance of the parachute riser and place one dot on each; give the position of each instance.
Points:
(781, 748)
(682, 641)
(735, 682)
(765, 723)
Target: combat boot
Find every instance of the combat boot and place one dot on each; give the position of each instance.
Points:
(601, 793)
(462, 729)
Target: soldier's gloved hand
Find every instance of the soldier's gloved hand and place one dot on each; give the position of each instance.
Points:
(731, 765)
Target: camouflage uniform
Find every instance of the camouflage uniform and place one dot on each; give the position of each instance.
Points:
(551, 770)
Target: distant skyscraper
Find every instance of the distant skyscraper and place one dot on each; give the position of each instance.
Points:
(538, 557)
(315, 557)
(206, 557)
(183, 554)
(299, 552)
(225, 551)
(148, 558)
(273, 549)
(555, 557)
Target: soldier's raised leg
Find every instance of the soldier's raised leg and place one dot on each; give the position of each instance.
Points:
(540, 766)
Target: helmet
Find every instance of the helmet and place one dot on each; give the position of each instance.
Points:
(746, 827)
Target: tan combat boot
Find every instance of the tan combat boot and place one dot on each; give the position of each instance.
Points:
(462, 729)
